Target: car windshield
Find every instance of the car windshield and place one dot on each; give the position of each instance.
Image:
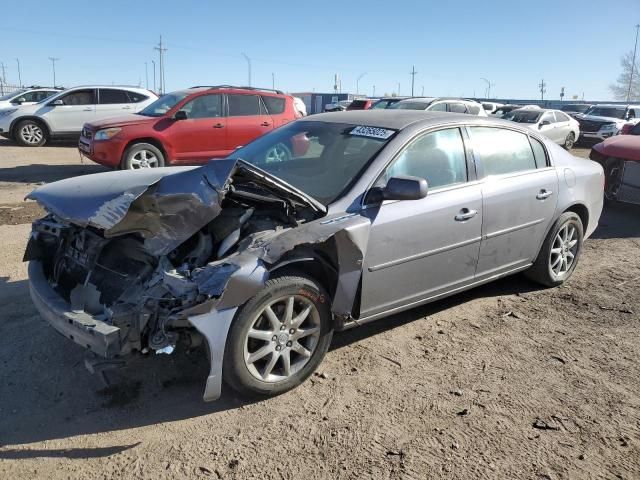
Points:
(318, 158)
(9, 96)
(409, 106)
(521, 116)
(163, 104)
(611, 112)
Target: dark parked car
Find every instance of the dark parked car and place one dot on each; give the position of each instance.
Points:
(376, 212)
(620, 158)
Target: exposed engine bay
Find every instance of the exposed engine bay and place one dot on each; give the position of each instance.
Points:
(118, 280)
(622, 180)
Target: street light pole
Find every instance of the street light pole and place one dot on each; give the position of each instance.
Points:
(248, 67)
(633, 63)
(146, 75)
(19, 75)
(53, 64)
(488, 91)
(154, 74)
(413, 77)
(358, 82)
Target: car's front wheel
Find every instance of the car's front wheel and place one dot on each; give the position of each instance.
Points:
(570, 141)
(278, 338)
(30, 133)
(142, 155)
(560, 251)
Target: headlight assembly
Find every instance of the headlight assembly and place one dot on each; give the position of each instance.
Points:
(106, 134)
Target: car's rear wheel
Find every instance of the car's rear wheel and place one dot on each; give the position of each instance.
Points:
(570, 141)
(30, 133)
(278, 338)
(142, 155)
(560, 252)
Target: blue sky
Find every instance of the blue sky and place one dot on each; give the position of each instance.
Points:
(570, 43)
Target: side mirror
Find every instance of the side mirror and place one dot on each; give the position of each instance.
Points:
(20, 100)
(544, 123)
(56, 103)
(405, 188)
(180, 115)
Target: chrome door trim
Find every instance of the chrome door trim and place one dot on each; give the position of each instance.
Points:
(497, 233)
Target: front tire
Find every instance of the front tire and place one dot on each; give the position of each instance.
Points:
(278, 338)
(30, 133)
(560, 251)
(142, 155)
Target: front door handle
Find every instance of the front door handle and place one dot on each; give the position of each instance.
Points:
(126, 108)
(544, 194)
(87, 109)
(265, 124)
(218, 125)
(465, 214)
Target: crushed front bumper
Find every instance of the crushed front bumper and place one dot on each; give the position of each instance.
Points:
(86, 330)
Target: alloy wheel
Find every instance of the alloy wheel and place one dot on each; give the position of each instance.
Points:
(564, 250)
(31, 133)
(282, 338)
(144, 159)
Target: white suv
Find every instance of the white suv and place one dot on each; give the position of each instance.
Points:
(63, 115)
(27, 96)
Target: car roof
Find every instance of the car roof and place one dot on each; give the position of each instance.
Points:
(399, 119)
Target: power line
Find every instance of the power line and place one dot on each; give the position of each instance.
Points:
(413, 77)
(633, 63)
(53, 65)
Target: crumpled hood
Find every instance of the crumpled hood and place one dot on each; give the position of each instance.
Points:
(166, 206)
(121, 121)
(626, 147)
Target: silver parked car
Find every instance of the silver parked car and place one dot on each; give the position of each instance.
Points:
(441, 104)
(374, 212)
(553, 124)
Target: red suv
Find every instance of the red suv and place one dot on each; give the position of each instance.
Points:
(187, 126)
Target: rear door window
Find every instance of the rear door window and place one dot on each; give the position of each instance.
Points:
(438, 107)
(561, 117)
(502, 151)
(244, 105)
(275, 105)
(111, 96)
(457, 107)
(538, 153)
(135, 97)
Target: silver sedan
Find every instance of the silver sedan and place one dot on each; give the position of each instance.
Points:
(364, 214)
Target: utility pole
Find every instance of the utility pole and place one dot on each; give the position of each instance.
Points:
(248, 67)
(413, 77)
(561, 94)
(422, 94)
(161, 51)
(358, 82)
(146, 75)
(154, 74)
(398, 88)
(543, 89)
(53, 64)
(633, 63)
(335, 83)
(273, 81)
(19, 75)
(374, 91)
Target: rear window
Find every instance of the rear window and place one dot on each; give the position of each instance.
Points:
(275, 105)
(243, 105)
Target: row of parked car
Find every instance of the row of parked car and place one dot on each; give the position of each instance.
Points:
(131, 127)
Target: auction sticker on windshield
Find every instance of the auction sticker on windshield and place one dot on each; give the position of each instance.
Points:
(372, 132)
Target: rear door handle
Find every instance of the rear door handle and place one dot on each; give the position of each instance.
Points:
(265, 124)
(465, 214)
(544, 194)
(218, 125)
(126, 108)
(87, 109)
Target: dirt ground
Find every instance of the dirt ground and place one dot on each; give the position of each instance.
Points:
(505, 381)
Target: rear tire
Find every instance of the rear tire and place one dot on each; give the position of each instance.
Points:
(142, 155)
(560, 251)
(30, 133)
(570, 141)
(266, 355)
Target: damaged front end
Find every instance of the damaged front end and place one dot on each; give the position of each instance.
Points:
(133, 261)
